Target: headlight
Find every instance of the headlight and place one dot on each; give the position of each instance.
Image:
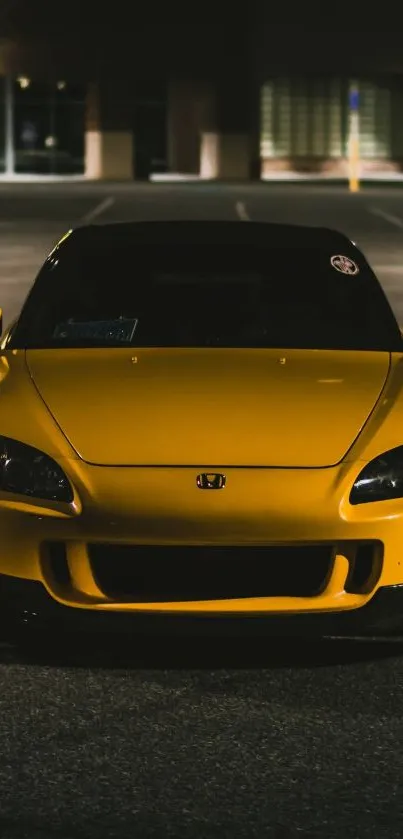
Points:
(28, 471)
(381, 479)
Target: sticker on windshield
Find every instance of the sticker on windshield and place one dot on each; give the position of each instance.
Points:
(344, 264)
(120, 330)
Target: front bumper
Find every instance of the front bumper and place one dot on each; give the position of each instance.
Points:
(61, 567)
(27, 607)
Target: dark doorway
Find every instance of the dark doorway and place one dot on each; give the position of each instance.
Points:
(150, 141)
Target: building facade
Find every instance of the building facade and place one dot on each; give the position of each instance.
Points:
(116, 130)
(305, 124)
(41, 127)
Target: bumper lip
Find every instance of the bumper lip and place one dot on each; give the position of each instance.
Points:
(26, 605)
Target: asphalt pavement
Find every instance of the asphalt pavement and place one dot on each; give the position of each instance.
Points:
(207, 739)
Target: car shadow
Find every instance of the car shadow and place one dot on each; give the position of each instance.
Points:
(144, 653)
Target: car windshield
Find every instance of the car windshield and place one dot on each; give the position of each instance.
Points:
(117, 295)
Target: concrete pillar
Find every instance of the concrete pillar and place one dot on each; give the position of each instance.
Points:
(224, 156)
(188, 103)
(212, 130)
(226, 146)
(183, 128)
(109, 144)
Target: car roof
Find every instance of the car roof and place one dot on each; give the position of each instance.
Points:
(213, 232)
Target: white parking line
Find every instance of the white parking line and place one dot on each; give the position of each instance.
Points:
(395, 220)
(369, 639)
(98, 210)
(241, 211)
(388, 269)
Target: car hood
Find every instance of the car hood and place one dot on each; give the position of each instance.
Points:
(210, 407)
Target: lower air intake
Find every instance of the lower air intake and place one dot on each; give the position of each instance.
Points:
(161, 574)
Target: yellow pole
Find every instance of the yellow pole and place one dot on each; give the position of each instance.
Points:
(354, 166)
(354, 141)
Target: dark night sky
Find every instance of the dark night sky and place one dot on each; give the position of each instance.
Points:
(195, 20)
(86, 38)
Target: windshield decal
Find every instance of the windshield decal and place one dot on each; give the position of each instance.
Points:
(120, 330)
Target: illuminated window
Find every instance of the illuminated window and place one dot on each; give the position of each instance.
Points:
(302, 118)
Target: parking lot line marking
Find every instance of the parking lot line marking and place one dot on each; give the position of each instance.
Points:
(395, 220)
(98, 210)
(241, 211)
(388, 269)
(369, 639)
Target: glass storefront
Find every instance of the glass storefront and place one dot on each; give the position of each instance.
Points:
(307, 119)
(46, 129)
(42, 127)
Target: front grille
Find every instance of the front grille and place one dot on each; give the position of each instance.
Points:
(180, 573)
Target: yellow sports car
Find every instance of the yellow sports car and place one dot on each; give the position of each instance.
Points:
(202, 426)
